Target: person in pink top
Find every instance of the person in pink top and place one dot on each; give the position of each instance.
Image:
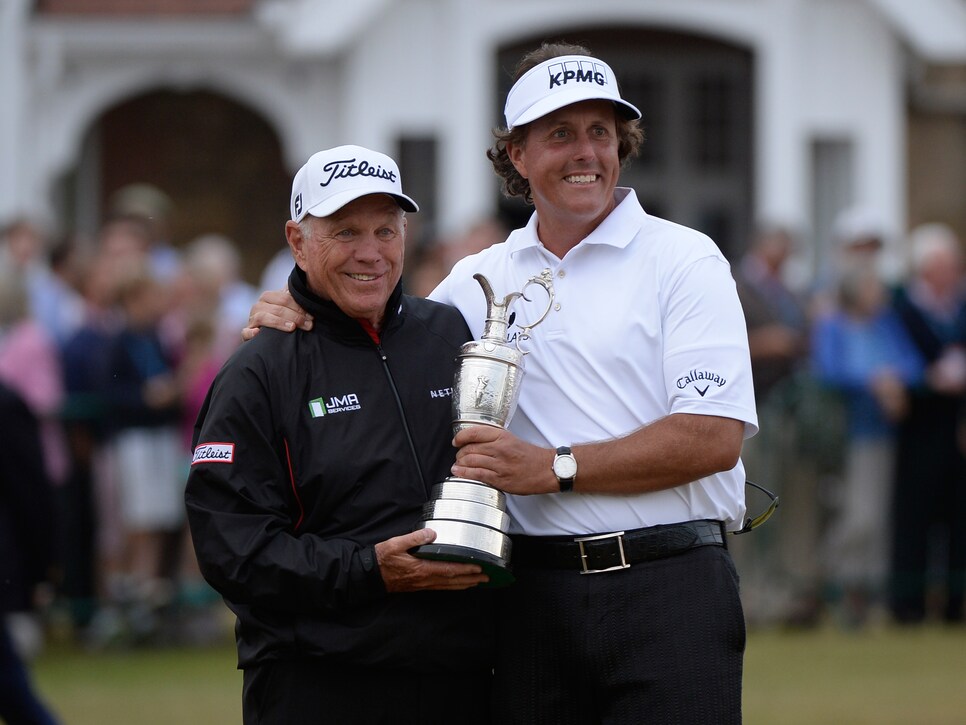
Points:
(30, 364)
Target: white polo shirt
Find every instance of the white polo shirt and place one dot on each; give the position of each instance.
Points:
(646, 322)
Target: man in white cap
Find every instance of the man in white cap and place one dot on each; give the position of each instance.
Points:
(314, 454)
(622, 460)
(621, 463)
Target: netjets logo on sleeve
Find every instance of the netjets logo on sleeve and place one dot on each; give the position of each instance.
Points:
(702, 380)
(336, 404)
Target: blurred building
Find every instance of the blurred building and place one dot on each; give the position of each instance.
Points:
(787, 110)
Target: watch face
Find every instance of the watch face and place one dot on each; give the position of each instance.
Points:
(565, 466)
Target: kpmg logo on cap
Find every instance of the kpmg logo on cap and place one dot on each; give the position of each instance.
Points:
(576, 71)
(347, 168)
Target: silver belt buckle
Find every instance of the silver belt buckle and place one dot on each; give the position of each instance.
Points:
(599, 537)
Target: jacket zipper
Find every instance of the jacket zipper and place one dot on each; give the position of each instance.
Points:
(402, 412)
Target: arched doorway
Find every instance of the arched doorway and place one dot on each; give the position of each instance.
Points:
(695, 94)
(219, 162)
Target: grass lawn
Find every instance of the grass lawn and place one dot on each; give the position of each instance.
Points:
(889, 676)
(141, 686)
(818, 677)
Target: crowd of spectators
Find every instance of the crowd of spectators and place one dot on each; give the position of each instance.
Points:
(112, 343)
(860, 380)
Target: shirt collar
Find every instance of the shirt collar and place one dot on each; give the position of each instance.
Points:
(617, 230)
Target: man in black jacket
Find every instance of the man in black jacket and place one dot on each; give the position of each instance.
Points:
(26, 548)
(929, 501)
(314, 453)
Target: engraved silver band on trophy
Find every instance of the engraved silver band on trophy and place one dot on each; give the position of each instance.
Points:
(469, 517)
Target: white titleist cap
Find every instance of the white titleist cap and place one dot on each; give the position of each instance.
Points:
(332, 178)
(560, 81)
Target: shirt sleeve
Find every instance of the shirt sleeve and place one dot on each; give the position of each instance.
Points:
(443, 291)
(707, 365)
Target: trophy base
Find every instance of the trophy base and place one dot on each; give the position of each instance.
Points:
(495, 567)
(470, 522)
(469, 543)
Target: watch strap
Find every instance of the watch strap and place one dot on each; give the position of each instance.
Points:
(566, 484)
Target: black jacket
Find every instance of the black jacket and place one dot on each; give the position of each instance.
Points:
(27, 526)
(312, 447)
(929, 428)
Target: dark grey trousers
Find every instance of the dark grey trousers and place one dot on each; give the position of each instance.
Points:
(661, 642)
(308, 692)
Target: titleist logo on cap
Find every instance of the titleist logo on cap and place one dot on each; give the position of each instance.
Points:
(347, 168)
(332, 178)
(577, 71)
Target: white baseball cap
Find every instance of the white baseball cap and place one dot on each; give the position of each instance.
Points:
(560, 81)
(332, 178)
(858, 224)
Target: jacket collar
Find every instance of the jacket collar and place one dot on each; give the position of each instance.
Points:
(330, 316)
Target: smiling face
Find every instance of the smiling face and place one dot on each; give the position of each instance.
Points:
(570, 159)
(353, 257)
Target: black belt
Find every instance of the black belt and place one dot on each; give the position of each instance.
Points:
(618, 550)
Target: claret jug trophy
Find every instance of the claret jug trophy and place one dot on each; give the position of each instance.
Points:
(470, 517)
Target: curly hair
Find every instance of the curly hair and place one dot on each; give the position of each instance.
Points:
(629, 133)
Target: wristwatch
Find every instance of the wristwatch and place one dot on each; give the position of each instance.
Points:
(565, 468)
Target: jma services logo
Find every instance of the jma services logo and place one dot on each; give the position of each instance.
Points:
(320, 407)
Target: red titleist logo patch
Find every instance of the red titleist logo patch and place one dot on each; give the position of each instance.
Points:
(214, 453)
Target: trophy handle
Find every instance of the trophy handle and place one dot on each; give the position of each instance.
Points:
(545, 280)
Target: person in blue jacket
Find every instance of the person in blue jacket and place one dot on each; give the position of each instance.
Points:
(863, 353)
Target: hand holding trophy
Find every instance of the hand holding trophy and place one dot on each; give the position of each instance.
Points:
(469, 517)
